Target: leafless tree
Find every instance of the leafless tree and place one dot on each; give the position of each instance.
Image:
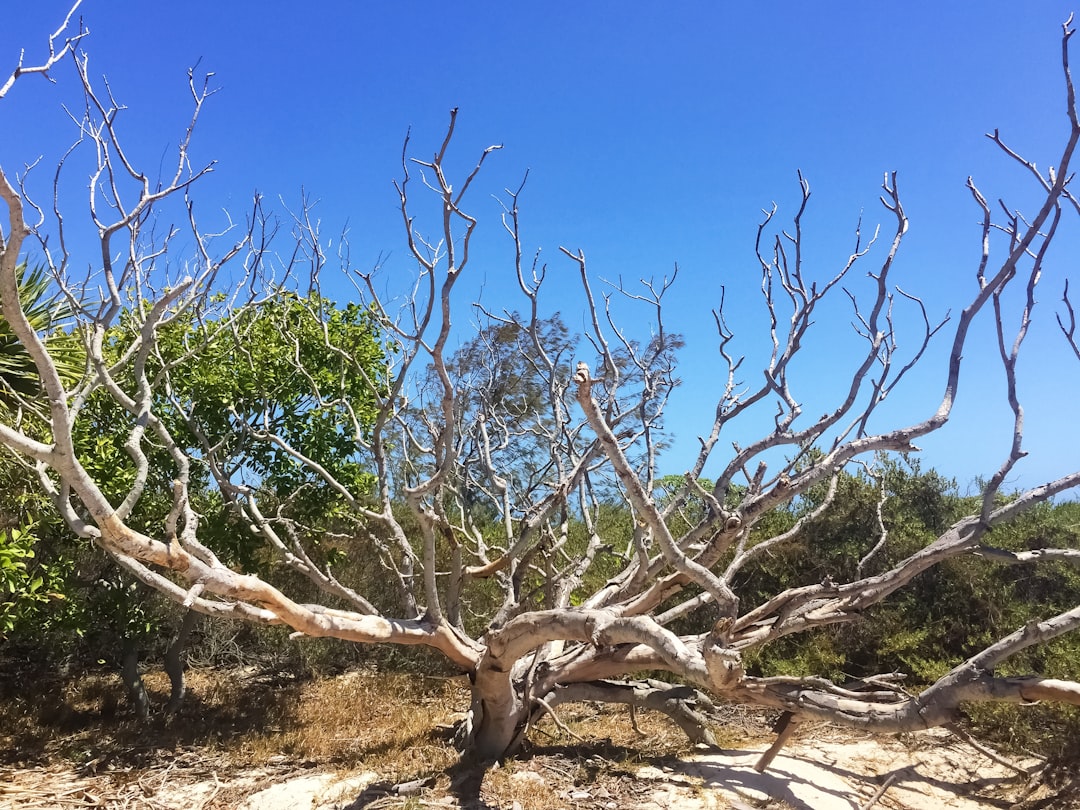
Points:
(444, 443)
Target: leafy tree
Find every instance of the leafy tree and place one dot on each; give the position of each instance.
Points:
(236, 363)
(237, 379)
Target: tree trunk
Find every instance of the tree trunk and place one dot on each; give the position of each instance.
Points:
(494, 724)
(133, 683)
(176, 660)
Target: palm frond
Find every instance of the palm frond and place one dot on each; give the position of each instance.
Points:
(19, 378)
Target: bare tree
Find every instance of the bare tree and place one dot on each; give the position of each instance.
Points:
(486, 507)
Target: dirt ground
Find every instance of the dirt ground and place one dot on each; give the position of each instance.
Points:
(246, 741)
(825, 769)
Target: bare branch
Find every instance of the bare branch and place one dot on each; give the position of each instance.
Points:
(55, 55)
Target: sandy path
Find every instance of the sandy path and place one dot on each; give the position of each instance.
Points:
(838, 773)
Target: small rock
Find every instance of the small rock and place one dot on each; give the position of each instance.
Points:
(530, 777)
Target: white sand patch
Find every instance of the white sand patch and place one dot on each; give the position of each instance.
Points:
(940, 773)
(310, 792)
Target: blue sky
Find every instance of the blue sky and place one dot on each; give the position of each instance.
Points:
(654, 133)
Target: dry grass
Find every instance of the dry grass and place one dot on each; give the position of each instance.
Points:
(393, 724)
(242, 717)
(380, 721)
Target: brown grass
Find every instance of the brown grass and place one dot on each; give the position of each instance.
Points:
(244, 718)
(393, 724)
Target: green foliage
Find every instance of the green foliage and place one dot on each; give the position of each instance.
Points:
(792, 656)
(947, 613)
(20, 586)
(1053, 730)
(692, 512)
(230, 373)
(36, 563)
(298, 367)
(18, 375)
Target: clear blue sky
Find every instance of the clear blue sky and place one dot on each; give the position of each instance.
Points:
(654, 134)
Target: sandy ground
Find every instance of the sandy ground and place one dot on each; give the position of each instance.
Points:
(934, 773)
(824, 769)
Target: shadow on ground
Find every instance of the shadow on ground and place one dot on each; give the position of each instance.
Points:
(89, 723)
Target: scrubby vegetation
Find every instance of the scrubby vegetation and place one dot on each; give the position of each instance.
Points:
(949, 613)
